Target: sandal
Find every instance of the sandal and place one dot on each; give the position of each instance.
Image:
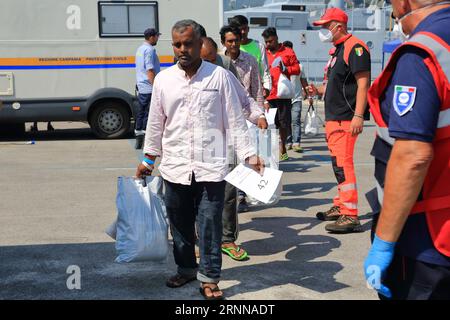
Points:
(178, 280)
(235, 252)
(212, 290)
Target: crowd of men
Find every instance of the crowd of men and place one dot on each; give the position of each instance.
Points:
(212, 90)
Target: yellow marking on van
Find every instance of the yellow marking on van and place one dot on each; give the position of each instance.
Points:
(57, 61)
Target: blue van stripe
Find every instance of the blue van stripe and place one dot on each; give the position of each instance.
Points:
(81, 66)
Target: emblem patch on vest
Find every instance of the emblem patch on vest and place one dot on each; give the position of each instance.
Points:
(404, 98)
(359, 51)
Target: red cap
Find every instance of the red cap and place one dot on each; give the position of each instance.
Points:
(332, 14)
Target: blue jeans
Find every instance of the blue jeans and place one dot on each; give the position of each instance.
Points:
(204, 201)
(295, 133)
(142, 114)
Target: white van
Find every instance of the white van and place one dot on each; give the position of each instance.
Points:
(73, 60)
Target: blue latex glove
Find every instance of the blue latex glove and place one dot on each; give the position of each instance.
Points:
(378, 260)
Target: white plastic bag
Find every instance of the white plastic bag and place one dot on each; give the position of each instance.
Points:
(267, 147)
(311, 122)
(285, 89)
(142, 230)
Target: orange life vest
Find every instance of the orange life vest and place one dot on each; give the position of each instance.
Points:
(436, 188)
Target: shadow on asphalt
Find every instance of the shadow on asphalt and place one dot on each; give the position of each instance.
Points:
(39, 272)
(297, 267)
(315, 148)
(58, 134)
(299, 190)
(297, 167)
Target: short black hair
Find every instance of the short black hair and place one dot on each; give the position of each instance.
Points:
(211, 42)
(238, 21)
(225, 29)
(181, 25)
(269, 32)
(202, 31)
(288, 44)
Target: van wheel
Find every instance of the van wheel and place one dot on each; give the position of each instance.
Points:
(109, 120)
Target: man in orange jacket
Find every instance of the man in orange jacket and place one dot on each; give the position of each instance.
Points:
(345, 111)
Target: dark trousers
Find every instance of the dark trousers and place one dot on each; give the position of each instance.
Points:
(230, 215)
(201, 201)
(410, 279)
(283, 117)
(142, 114)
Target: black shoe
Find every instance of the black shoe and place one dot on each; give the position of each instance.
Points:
(345, 224)
(243, 206)
(331, 215)
(139, 142)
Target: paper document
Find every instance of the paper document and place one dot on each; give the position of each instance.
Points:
(259, 187)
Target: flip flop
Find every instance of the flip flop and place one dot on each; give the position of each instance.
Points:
(216, 289)
(228, 251)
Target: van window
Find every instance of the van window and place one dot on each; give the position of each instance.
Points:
(129, 19)
(284, 22)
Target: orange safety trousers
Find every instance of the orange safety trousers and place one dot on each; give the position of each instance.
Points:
(341, 144)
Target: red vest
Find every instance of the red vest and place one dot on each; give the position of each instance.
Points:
(436, 188)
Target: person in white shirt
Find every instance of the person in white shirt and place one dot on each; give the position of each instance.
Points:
(194, 103)
(254, 113)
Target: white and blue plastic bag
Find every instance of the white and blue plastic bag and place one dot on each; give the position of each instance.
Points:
(142, 229)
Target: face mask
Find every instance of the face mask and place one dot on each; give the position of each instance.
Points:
(398, 21)
(402, 34)
(326, 35)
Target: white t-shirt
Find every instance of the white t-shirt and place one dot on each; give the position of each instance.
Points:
(295, 79)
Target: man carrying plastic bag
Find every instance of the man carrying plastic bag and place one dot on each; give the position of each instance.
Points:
(194, 106)
(283, 64)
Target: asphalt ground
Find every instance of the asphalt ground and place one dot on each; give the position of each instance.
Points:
(58, 197)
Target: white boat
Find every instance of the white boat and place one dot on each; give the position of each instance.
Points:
(369, 21)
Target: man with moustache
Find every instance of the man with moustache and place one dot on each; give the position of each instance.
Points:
(190, 100)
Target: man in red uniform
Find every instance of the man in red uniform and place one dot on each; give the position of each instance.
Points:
(281, 60)
(410, 103)
(345, 111)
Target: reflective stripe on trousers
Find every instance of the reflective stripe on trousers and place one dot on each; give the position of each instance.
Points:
(341, 144)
